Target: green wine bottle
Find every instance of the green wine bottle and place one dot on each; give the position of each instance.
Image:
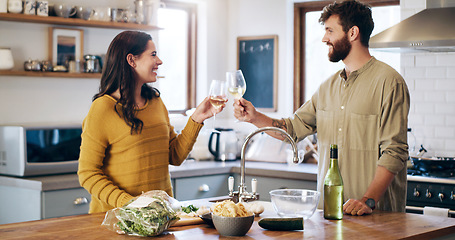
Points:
(333, 188)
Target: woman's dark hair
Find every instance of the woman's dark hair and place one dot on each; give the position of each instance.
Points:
(118, 74)
(351, 13)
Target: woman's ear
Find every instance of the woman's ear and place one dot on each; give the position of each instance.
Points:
(130, 60)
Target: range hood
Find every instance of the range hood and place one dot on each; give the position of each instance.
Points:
(431, 30)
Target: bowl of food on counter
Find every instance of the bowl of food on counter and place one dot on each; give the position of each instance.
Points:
(231, 219)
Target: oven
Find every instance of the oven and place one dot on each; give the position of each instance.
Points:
(431, 186)
(430, 192)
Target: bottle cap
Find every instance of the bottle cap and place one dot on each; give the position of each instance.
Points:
(333, 151)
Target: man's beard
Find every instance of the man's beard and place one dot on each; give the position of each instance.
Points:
(340, 49)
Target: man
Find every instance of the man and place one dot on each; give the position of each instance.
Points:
(363, 108)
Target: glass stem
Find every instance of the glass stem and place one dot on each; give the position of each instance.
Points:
(214, 115)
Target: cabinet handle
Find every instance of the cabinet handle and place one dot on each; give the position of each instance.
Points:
(80, 201)
(204, 188)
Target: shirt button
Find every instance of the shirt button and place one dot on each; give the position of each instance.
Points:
(344, 85)
(342, 107)
(339, 129)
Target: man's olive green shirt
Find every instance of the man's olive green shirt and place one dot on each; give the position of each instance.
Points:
(366, 115)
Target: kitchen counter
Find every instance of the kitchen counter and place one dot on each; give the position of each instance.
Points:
(379, 225)
(189, 168)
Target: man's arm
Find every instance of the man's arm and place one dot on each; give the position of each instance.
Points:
(245, 111)
(376, 189)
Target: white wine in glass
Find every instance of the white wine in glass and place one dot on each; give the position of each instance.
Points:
(217, 95)
(236, 83)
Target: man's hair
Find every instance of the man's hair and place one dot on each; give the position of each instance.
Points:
(351, 13)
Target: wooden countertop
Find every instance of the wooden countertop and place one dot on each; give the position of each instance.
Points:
(379, 225)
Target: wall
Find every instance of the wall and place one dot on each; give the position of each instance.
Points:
(431, 81)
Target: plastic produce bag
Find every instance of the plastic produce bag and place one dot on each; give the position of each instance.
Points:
(149, 214)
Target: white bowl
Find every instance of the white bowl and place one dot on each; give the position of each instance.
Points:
(294, 202)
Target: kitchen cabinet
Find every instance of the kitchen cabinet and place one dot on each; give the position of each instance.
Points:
(266, 184)
(19, 204)
(52, 20)
(200, 187)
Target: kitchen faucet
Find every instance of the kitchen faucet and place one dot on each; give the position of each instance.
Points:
(242, 194)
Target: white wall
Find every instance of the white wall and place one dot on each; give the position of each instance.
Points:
(431, 81)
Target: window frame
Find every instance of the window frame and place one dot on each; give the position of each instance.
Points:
(191, 9)
(300, 9)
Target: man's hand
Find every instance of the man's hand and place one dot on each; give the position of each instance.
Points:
(356, 207)
(244, 110)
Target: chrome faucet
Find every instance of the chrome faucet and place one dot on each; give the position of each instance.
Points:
(242, 194)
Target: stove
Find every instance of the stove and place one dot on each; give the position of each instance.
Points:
(430, 191)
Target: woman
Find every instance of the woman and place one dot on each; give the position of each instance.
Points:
(127, 140)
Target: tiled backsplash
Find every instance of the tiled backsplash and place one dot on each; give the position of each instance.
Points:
(431, 81)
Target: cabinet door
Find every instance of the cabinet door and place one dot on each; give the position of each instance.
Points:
(19, 204)
(65, 202)
(201, 187)
(266, 184)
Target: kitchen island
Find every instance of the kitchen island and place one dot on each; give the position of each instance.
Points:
(379, 225)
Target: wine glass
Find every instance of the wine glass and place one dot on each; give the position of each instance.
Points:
(236, 83)
(217, 96)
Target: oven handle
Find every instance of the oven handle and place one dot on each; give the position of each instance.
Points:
(420, 210)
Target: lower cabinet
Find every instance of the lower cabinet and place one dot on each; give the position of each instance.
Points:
(200, 187)
(65, 202)
(266, 184)
(23, 204)
(217, 185)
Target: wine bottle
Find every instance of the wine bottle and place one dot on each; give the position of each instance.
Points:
(333, 188)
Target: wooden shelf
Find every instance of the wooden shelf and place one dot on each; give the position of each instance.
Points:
(49, 74)
(17, 17)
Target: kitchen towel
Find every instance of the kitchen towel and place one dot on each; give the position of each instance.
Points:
(435, 211)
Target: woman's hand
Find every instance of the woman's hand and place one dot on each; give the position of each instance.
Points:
(205, 110)
(244, 110)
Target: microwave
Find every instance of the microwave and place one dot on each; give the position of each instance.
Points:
(39, 150)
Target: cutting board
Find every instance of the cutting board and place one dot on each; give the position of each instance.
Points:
(184, 221)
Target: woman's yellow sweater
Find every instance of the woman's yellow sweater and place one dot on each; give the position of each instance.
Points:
(115, 165)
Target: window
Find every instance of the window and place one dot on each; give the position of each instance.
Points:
(176, 48)
(312, 66)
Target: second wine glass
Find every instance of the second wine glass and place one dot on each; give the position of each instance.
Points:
(236, 83)
(217, 96)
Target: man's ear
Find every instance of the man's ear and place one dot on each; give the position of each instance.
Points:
(354, 33)
(130, 60)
